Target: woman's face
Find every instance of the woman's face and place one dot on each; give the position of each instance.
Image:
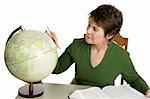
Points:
(95, 34)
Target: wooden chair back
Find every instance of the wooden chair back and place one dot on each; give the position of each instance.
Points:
(123, 42)
(120, 40)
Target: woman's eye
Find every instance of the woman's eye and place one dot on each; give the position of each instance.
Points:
(94, 28)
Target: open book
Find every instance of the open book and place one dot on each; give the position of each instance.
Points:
(108, 92)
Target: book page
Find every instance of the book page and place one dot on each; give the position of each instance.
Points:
(123, 92)
(89, 93)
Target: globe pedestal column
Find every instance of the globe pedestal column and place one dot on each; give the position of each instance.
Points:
(31, 90)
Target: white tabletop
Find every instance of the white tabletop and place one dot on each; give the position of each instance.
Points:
(56, 91)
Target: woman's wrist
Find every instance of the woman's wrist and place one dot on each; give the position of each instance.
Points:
(147, 93)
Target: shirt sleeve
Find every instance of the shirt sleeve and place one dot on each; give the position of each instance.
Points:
(132, 77)
(65, 60)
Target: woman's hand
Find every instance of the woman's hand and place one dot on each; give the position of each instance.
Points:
(148, 93)
(53, 36)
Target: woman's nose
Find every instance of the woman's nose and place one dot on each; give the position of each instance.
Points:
(89, 30)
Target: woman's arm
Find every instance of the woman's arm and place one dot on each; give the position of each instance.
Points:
(64, 62)
(132, 77)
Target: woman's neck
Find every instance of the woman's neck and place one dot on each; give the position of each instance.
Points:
(100, 47)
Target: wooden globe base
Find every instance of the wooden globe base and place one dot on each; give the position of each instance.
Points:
(31, 91)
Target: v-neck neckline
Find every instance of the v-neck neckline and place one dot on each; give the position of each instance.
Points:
(98, 65)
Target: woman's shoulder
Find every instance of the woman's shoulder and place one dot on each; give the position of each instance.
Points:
(79, 42)
(77, 46)
(118, 49)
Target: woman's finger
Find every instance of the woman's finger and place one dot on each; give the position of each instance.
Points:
(53, 36)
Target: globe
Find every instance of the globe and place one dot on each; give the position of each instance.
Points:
(30, 55)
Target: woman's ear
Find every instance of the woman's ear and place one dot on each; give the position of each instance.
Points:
(110, 36)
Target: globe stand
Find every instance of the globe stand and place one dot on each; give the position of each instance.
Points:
(30, 90)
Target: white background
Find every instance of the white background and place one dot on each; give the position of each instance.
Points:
(68, 18)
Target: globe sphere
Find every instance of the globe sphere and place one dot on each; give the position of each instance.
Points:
(30, 55)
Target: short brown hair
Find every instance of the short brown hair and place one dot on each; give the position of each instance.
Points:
(108, 17)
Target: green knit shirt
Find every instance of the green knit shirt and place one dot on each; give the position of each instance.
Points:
(115, 61)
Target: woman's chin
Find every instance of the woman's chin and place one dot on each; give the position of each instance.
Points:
(88, 41)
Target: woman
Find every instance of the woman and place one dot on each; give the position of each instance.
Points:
(98, 61)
